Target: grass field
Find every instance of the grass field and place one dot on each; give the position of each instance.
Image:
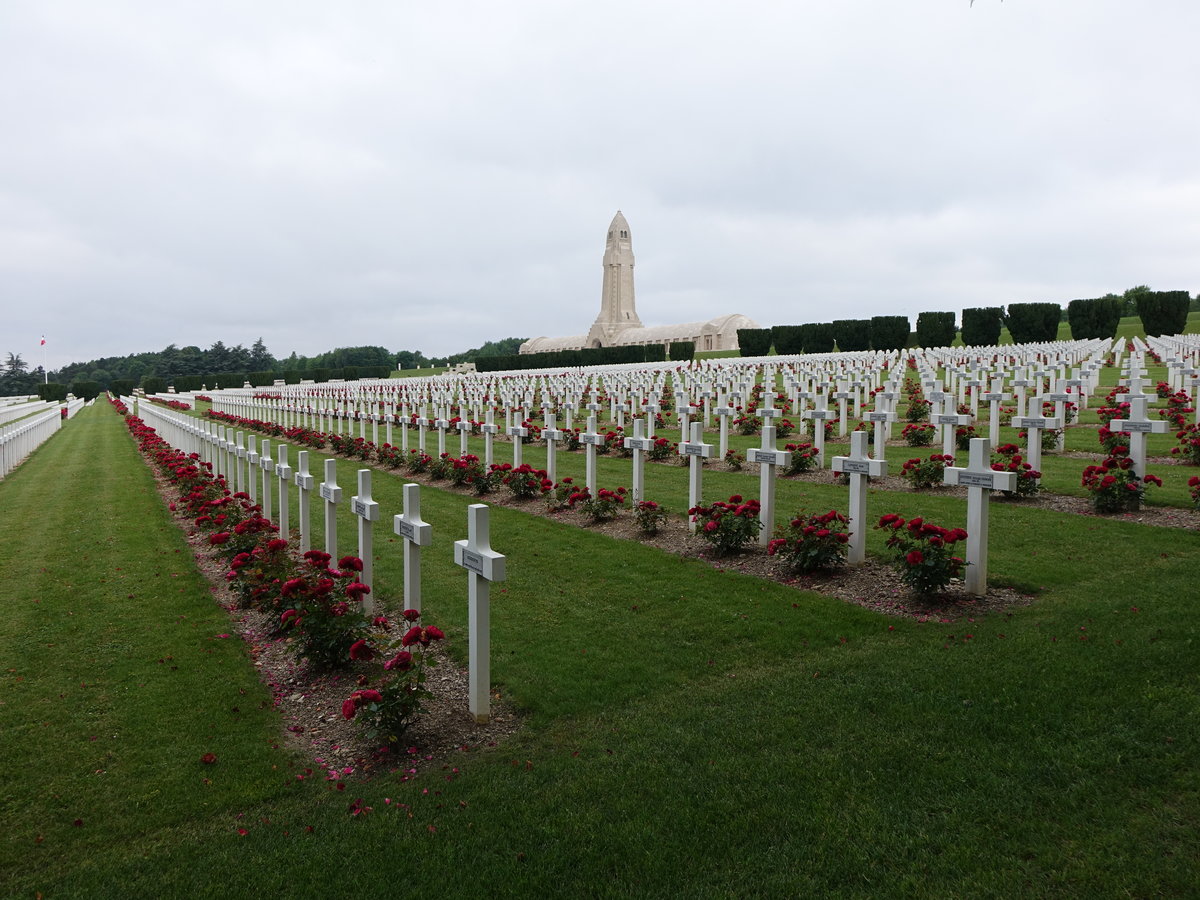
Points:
(688, 732)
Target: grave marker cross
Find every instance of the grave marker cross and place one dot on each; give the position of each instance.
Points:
(978, 477)
(367, 511)
(858, 467)
(484, 566)
(698, 451)
(1138, 425)
(416, 533)
(768, 459)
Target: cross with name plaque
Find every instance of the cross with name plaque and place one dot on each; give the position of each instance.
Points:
(698, 451)
(332, 495)
(769, 459)
(1034, 426)
(415, 533)
(304, 485)
(590, 439)
(484, 566)
(366, 511)
(266, 466)
(978, 477)
(858, 467)
(1138, 425)
(251, 468)
(283, 472)
(640, 445)
(949, 420)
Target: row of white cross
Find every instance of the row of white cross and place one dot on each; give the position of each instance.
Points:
(20, 438)
(241, 467)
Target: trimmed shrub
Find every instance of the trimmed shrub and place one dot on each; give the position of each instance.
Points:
(981, 326)
(154, 384)
(753, 341)
(684, 350)
(656, 352)
(1033, 323)
(889, 332)
(57, 393)
(1097, 318)
(85, 390)
(817, 338)
(788, 339)
(852, 335)
(935, 329)
(1163, 312)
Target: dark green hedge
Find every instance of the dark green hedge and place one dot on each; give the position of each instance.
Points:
(1096, 318)
(121, 387)
(852, 335)
(154, 384)
(817, 337)
(935, 329)
(1163, 312)
(754, 341)
(54, 392)
(889, 332)
(85, 390)
(1033, 323)
(678, 351)
(981, 326)
(597, 356)
(788, 339)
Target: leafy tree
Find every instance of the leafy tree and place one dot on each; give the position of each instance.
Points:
(260, 356)
(935, 329)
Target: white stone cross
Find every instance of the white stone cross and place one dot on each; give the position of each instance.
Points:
(464, 430)
(1034, 426)
(518, 434)
(684, 413)
(858, 467)
(552, 436)
(251, 466)
(842, 396)
(442, 423)
(639, 444)
(485, 565)
(978, 477)
(1060, 398)
(768, 459)
(653, 408)
(422, 427)
(239, 462)
(332, 495)
(304, 483)
(265, 466)
(724, 411)
(415, 533)
(949, 419)
(283, 472)
(883, 419)
(819, 413)
(591, 439)
(698, 451)
(994, 398)
(367, 511)
(1138, 425)
(489, 429)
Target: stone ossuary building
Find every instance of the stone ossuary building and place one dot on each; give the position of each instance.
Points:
(618, 324)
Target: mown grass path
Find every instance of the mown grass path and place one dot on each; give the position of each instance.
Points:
(690, 733)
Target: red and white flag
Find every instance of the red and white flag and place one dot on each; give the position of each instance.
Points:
(43, 340)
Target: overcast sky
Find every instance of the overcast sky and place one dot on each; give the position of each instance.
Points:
(433, 175)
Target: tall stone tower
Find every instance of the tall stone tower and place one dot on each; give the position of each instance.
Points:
(618, 310)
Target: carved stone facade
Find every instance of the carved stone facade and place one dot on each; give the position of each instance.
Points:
(618, 323)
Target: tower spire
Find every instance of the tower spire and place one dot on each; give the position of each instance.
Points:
(618, 307)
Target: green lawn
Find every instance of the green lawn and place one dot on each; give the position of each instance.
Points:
(689, 732)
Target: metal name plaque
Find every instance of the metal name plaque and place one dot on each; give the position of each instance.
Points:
(976, 479)
(947, 419)
(472, 562)
(878, 416)
(330, 492)
(1143, 427)
(694, 449)
(595, 439)
(304, 482)
(856, 466)
(360, 507)
(407, 530)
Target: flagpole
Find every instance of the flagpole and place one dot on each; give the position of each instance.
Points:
(45, 371)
